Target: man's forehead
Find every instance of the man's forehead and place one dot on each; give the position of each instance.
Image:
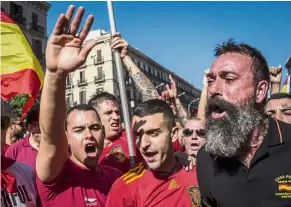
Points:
(279, 102)
(82, 116)
(235, 62)
(147, 122)
(107, 104)
(194, 123)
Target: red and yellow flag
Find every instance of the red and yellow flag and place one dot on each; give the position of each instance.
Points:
(21, 73)
(286, 85)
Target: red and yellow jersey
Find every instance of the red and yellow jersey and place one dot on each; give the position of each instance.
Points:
(141, 187)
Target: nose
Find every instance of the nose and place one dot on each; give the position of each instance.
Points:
(88, 133)
(278, 115)
(215, 88)
(115, 116)
(145, 143)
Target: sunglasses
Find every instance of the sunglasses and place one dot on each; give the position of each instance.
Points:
(5, 122)
(189, 132)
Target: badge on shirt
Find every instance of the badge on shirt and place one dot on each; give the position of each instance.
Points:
(117, 154)
(194, 196)
(284, 186)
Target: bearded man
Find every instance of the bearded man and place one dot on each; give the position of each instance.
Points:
(244, 161)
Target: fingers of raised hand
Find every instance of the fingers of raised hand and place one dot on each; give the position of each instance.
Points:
(77, 20)
(68, 17)
(117, 42)
(86, 29)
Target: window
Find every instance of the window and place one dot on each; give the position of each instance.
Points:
(37, 48)
(16, 10)
(99, 56)
(138, 64)
(156, 73)
(34, 19)
(82, 97)
(68, 100)
(82, 76)
(99, 72)
(69, 79)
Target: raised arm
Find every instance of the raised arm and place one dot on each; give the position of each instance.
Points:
(64, 54)
(275, 78)
(170, 96)
(141, 82)
(203, 97)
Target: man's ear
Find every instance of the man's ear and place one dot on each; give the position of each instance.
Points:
(262, 91)
(174, 133)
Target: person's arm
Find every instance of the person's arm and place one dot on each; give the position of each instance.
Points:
(64, 54)
(171, 97)
(141, 82)
(203, 97)
(275, 78)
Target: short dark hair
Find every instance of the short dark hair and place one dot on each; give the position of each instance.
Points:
(100, 97)
(80, 107)
(260, 66)
(154, 106)
(279, 96)
(32, 116)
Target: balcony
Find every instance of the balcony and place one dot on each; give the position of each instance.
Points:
(37, 27)
(99, 79)
(18, 18)
(82, 82)
(69, 85)
(98, 61)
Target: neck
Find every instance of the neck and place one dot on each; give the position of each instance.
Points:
(8, 137)
(107, 142)
(82, 165)
(34, 142)
(170, 166)
(256, 138)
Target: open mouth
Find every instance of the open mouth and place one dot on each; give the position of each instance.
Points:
(91, 150)
(149, 156)
(218, 112)
(115, 126)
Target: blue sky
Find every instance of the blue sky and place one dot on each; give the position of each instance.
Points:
(182, 35)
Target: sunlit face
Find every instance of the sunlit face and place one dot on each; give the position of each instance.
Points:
(231, 79)
(16, 127)
(280, 109)
(194, 136)
(86, 137)
(5, 122)
(154, 141)
(110, 117)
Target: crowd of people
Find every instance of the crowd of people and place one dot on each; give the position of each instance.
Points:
(234, 152)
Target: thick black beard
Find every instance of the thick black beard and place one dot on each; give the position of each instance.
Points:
(227, 136)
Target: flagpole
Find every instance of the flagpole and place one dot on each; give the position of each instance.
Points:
(122, 88)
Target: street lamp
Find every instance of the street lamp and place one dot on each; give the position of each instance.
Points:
(189, 105)
(160, 85)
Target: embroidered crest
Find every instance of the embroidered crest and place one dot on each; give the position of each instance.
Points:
(117, 154)
(194, 196)
(284, 186)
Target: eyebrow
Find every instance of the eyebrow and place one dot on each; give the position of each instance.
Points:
(285, 107)
(84, 126)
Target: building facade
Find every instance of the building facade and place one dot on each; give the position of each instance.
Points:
(99, 74)
(31, 16)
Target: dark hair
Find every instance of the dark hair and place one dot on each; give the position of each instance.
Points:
(279, 96)
(155, 106)
(80, 107)
(260, 66)
(32, 116)
(100, 97)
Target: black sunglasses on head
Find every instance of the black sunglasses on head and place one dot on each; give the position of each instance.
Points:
(188, 132)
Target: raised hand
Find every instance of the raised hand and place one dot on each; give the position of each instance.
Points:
(119, 44)
(64, 52)
(275, 74)
(170, 94)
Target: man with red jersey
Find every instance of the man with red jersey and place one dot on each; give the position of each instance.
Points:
(77, 180)
(162, 180)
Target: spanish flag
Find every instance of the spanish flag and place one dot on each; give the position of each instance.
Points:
(21, 73)
(286, 85)
(285, 187)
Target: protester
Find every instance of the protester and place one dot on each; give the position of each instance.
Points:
(25, 151)
(115, 152)
(17, 180)
(243, 162)
(194, 136)
(77, 180)
(279, 106)
(15, 131)
(162, 180)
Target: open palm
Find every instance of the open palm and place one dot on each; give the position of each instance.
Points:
(64, 50)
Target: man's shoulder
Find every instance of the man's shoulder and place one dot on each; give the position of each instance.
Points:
(133, 176)
(203, 156)
(14, 148)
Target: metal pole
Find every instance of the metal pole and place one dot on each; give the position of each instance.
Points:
(160, 85)
(191, 103)
(181, 94)
(122, 89)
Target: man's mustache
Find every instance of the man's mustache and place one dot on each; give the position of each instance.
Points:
(218, 105)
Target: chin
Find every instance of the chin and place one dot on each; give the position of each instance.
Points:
(154, 166)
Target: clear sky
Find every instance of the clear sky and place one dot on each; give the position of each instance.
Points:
(181, 36)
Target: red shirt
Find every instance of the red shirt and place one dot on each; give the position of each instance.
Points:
(76, 186)
(23, 152)
(6, 146)
(140, 187)
(117, 154)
